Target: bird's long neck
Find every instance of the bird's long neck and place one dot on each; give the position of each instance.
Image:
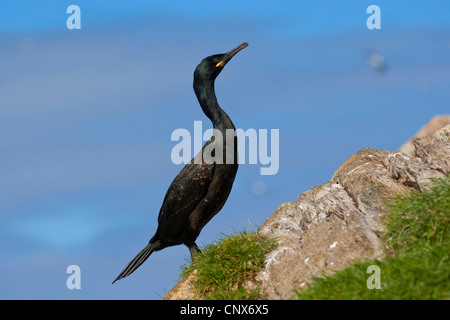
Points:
(206, 96)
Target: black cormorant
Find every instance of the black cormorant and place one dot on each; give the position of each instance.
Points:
(201, 188)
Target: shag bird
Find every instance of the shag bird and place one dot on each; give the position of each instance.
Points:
(201, 188)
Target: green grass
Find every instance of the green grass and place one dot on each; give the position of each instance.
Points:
(224, 266)
(417, 240)
(420, 219)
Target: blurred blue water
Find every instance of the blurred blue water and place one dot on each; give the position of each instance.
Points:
(86, 119)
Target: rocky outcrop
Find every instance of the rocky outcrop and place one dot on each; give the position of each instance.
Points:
(339, 222)
(431, 127)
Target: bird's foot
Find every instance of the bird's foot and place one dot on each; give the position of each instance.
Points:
(194, 250)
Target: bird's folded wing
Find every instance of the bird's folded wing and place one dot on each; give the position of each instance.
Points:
(187, 189)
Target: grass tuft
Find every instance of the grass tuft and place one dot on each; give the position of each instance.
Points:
(420, 219)
(225, 265)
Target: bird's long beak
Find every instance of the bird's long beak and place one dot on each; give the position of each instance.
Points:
(230, 54)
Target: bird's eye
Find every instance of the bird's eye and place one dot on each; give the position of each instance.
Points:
(219, 62)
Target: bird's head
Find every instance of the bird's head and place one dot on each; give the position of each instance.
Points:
(211, 66)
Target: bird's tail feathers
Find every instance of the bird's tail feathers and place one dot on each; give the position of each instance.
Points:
(137, 261)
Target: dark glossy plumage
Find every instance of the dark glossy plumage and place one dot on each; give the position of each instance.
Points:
(201, 188)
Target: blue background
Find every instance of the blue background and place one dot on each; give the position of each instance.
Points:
(86, 118)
